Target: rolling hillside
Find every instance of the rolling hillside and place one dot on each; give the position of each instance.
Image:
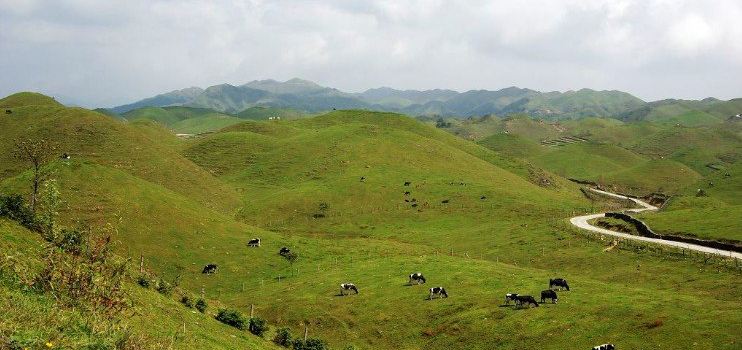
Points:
(332, 189)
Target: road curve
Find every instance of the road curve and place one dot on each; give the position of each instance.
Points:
(582, 222)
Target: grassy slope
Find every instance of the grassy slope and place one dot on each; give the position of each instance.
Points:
(187, 120)
(371, 236)
(32, 319)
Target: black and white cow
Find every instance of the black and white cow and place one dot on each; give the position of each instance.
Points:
(558, 282)
(65, 156)
(417, 278)
(255, 242)
(510, 297)
(210, 268)
(348, 287)
(605, 347)
(284, 251)
(521, 300)
(407, 183)
(549, 294)
(439, 291)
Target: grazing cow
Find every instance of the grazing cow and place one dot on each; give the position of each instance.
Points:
(414, 205)
(605, 347)
(284, 251)
(483, 197)
(407, 193)
(65, 156)
(445, 201)
(407, 183)
(439, 291)
(348, 287)
(558, 282)
(363, 179)
(407, 200)
(520, 300)
(7, 111)
(510, 297)
(255, 242)
(209, 269)
(417, 277)
(549, 294)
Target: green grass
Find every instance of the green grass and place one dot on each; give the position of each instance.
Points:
(267, 179)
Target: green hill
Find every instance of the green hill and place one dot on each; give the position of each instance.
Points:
(26, 99)
(184, 120)
(264, 113)
(331, 188)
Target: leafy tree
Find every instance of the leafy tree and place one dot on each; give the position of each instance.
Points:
(37, 152)
(283, 337)
(258, 326)
(233, 318)
(48, 211)
(310, 344)
(201, 305)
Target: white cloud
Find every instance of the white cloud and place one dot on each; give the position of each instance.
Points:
(111, 52)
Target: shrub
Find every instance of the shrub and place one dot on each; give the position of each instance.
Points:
(187, 301)
(258, 326)
(233, 318)
(14, 207)
(143, 281)
(164, 287)
(72, 241)
(201, 305)
(310, 344)
(283, 337)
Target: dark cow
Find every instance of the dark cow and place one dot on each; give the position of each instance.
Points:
(407, 183)
(348, 287)
(414, 205)
(255, 242)
(549, 294)
(605, 347)
(417, 277)
(510, 297)
(209, 269)
(65, 156)
(439, 291)
(558, 282)
(483, 197)
(363, 179)
(7, 111)
(521, 300)
(284, 251)
(407, 193)
(445, 201)
(414, 200)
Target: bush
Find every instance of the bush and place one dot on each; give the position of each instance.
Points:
(14, 207)
(164, 287)
(233, 318)
(283, 337)
(143, 281)
(310, 344)
(201, 305)
(258, 326)
(187, 301)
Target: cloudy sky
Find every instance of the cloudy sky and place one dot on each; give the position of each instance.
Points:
(109, 52)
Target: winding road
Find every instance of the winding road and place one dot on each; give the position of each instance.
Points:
(582, 222)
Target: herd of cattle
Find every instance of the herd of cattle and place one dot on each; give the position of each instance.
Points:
(440, 292)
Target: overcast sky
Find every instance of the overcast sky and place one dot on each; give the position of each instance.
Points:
(107, 52)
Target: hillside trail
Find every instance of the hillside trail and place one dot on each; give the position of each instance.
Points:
(582, 222)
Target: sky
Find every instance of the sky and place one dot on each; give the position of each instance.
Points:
(110, 52)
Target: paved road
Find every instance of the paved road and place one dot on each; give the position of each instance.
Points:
(582, 222)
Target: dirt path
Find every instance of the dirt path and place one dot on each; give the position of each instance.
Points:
(582, 222)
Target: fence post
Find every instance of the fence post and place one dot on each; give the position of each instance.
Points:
(141, 264)
(252, 310)
(306, 331)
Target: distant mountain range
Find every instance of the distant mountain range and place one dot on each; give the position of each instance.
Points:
(310, 97)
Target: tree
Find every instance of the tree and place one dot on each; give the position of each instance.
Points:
(37, 152)
(48, 208)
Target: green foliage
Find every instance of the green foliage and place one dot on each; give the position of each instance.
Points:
(14, 207)
(310, 344)
(201, 305)
(186, 301)
(48, 211)
(258, 326)
(164, 287)
(143, 281)
(233, 318)
(283, 337)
